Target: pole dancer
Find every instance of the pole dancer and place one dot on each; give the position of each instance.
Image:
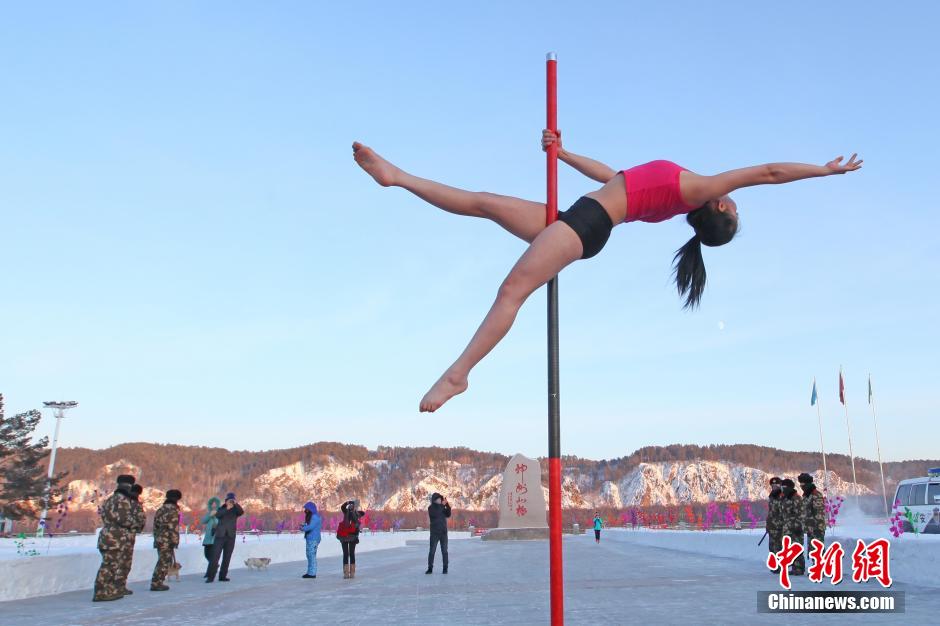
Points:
(652, 192)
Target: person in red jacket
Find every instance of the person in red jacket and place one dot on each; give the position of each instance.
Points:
(348, 535)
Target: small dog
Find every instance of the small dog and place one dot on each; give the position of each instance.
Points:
(259, 563)
(174, 570)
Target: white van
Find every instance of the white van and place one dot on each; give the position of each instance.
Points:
(922, 497)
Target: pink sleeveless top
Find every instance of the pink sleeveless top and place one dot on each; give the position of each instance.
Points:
(653, 192)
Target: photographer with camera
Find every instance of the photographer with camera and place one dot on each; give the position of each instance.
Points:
(224, 538)
(348, 535)
(438, 513)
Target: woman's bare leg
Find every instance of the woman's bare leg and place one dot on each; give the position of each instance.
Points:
(556, 247)
(523, 218)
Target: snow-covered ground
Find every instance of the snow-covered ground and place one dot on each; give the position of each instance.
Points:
(490, 582)
(914, 559)
(70, 562)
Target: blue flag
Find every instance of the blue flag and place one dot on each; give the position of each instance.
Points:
(812, 400)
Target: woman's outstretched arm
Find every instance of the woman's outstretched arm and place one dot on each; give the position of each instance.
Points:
(589, 167)
(701, 189)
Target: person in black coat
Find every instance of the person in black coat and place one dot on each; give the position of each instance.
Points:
(438, 513)
(224, 542)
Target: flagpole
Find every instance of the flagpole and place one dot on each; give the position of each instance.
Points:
(871, 402)
(822, 446)
(848, 427)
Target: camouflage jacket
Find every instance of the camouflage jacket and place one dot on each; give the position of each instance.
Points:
(774, 515)
(117, 520)
(166, 526)
(793, 516)
(140, 518)
(814, 513)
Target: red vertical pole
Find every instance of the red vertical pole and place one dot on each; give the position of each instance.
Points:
(554, 412)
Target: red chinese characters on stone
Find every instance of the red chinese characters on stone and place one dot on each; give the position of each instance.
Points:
(521, 490)
(871, 561)
(783, 559)
(826, 563)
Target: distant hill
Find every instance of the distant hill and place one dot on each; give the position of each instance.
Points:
(401, 478)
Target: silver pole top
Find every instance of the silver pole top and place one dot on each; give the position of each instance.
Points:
(551, 57)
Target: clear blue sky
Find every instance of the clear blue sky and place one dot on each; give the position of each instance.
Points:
(190, 252)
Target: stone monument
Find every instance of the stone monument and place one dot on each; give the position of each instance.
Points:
(522, 510)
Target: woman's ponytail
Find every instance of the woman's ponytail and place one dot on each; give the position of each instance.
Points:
(689, 269)
(712, 228)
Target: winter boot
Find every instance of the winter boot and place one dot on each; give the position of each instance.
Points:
(352, 570)
(444, 571)
(127, 592)
(345, 572)
(160, 587)
(430, 569)
(103, 598)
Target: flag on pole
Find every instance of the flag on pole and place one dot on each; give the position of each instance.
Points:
(812, 400)
(841, 387)
(869, 389)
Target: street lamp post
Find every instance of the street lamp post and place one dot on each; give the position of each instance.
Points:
(58, 410)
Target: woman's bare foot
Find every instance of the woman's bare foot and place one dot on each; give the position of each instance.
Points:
(375, 166)
(446, 387)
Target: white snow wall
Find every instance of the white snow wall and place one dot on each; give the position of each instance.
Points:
(75, 569)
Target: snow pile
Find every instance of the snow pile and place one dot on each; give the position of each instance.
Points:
(914, 559)
(70, 563)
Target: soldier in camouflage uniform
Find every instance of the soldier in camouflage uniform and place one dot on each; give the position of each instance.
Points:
(792, 507)
(814, 511)
(166, 537)
(117, 520)
(774, 524)
(127, 558)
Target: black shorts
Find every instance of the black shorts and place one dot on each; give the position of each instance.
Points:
(588, 219)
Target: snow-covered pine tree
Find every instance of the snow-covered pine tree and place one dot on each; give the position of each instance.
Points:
(22, 471)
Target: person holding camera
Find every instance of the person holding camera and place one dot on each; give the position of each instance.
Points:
(223, 542)
(438, 513)
(348, 535)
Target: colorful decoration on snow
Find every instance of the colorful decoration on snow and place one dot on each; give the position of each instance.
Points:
(832, 508)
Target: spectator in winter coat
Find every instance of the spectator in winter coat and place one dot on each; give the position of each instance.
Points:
(140, 520)
(814, 511)
(348, 535)
(792, 508)
(313, 523)
(166, 538)
(223, 542)
(117, 519)
(438, 513)
(598, 525)
(210, 521)
(774, 522)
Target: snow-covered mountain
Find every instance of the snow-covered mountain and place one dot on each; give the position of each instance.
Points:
(385, 484)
